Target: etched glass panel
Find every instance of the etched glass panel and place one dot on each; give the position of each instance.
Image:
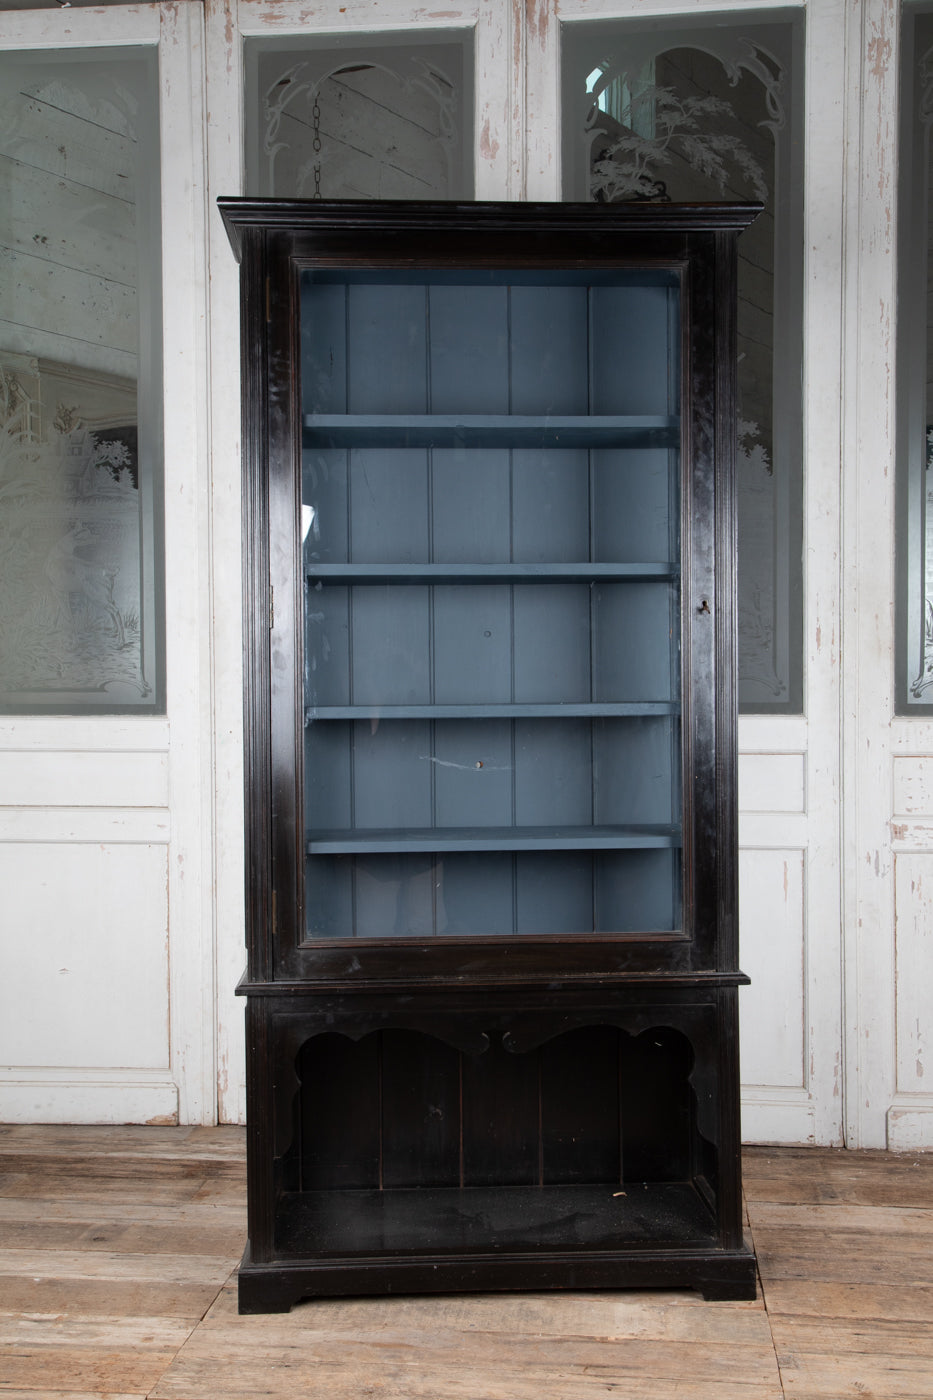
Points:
(80, 437)
(914, 652)
(677, 112)
(343, 120)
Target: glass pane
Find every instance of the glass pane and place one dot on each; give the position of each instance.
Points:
(340, 119)
(491, 551)
(677, 112)
(914, 652)
(80, 435)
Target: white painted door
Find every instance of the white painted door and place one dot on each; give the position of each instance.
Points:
(106, 924)
(790, 766)
(121, 838)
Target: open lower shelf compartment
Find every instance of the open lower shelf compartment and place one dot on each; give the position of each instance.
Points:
(497, 1220)
(604, 1168)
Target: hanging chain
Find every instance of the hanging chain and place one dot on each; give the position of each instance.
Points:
(316, 148)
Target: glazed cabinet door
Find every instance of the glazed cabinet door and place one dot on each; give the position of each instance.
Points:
(495, 478)
(490, 515)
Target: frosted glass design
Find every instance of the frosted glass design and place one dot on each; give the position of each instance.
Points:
(79, 419)
(914, 689)
(344, 120)
(678, 112)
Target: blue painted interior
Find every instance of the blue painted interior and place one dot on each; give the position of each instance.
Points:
(492, 670)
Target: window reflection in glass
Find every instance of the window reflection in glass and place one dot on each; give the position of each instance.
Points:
(914, 651)
(683, 113)
(343, 120)
(79, 418)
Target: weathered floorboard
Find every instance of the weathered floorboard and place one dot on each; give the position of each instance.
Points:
(118, 1249)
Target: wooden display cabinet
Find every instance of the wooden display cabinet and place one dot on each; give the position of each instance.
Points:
(490, 714)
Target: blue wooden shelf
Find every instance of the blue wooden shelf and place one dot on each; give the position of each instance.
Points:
(621, 709)
(489, 430)
(364, 841)
(489, 573)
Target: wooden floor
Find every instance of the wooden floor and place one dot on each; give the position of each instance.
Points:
(118, 1249)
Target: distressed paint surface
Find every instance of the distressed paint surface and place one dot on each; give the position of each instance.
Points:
(871, 992)
(913, 786)
(106, 872)
(224, 98)
(913, 887)
(772, 899)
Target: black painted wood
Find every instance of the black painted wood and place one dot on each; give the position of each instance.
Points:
(340, 1113)
(491, 1001)
(501, 1118)
(580, 1129)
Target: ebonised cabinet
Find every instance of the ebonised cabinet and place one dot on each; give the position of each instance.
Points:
(490, 713)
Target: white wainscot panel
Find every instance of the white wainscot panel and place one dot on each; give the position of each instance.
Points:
(913, 902)
(913, 786)
(772, 782)
(910, 1116)
(771, 903)
(83, 933)
(58, 778)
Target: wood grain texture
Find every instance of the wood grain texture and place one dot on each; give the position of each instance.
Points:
(123, 1291)
(516, 1347)
(47, 1394)
(799, 1176)
(110, 1353)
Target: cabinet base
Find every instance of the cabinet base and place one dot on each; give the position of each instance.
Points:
(720, 1275)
